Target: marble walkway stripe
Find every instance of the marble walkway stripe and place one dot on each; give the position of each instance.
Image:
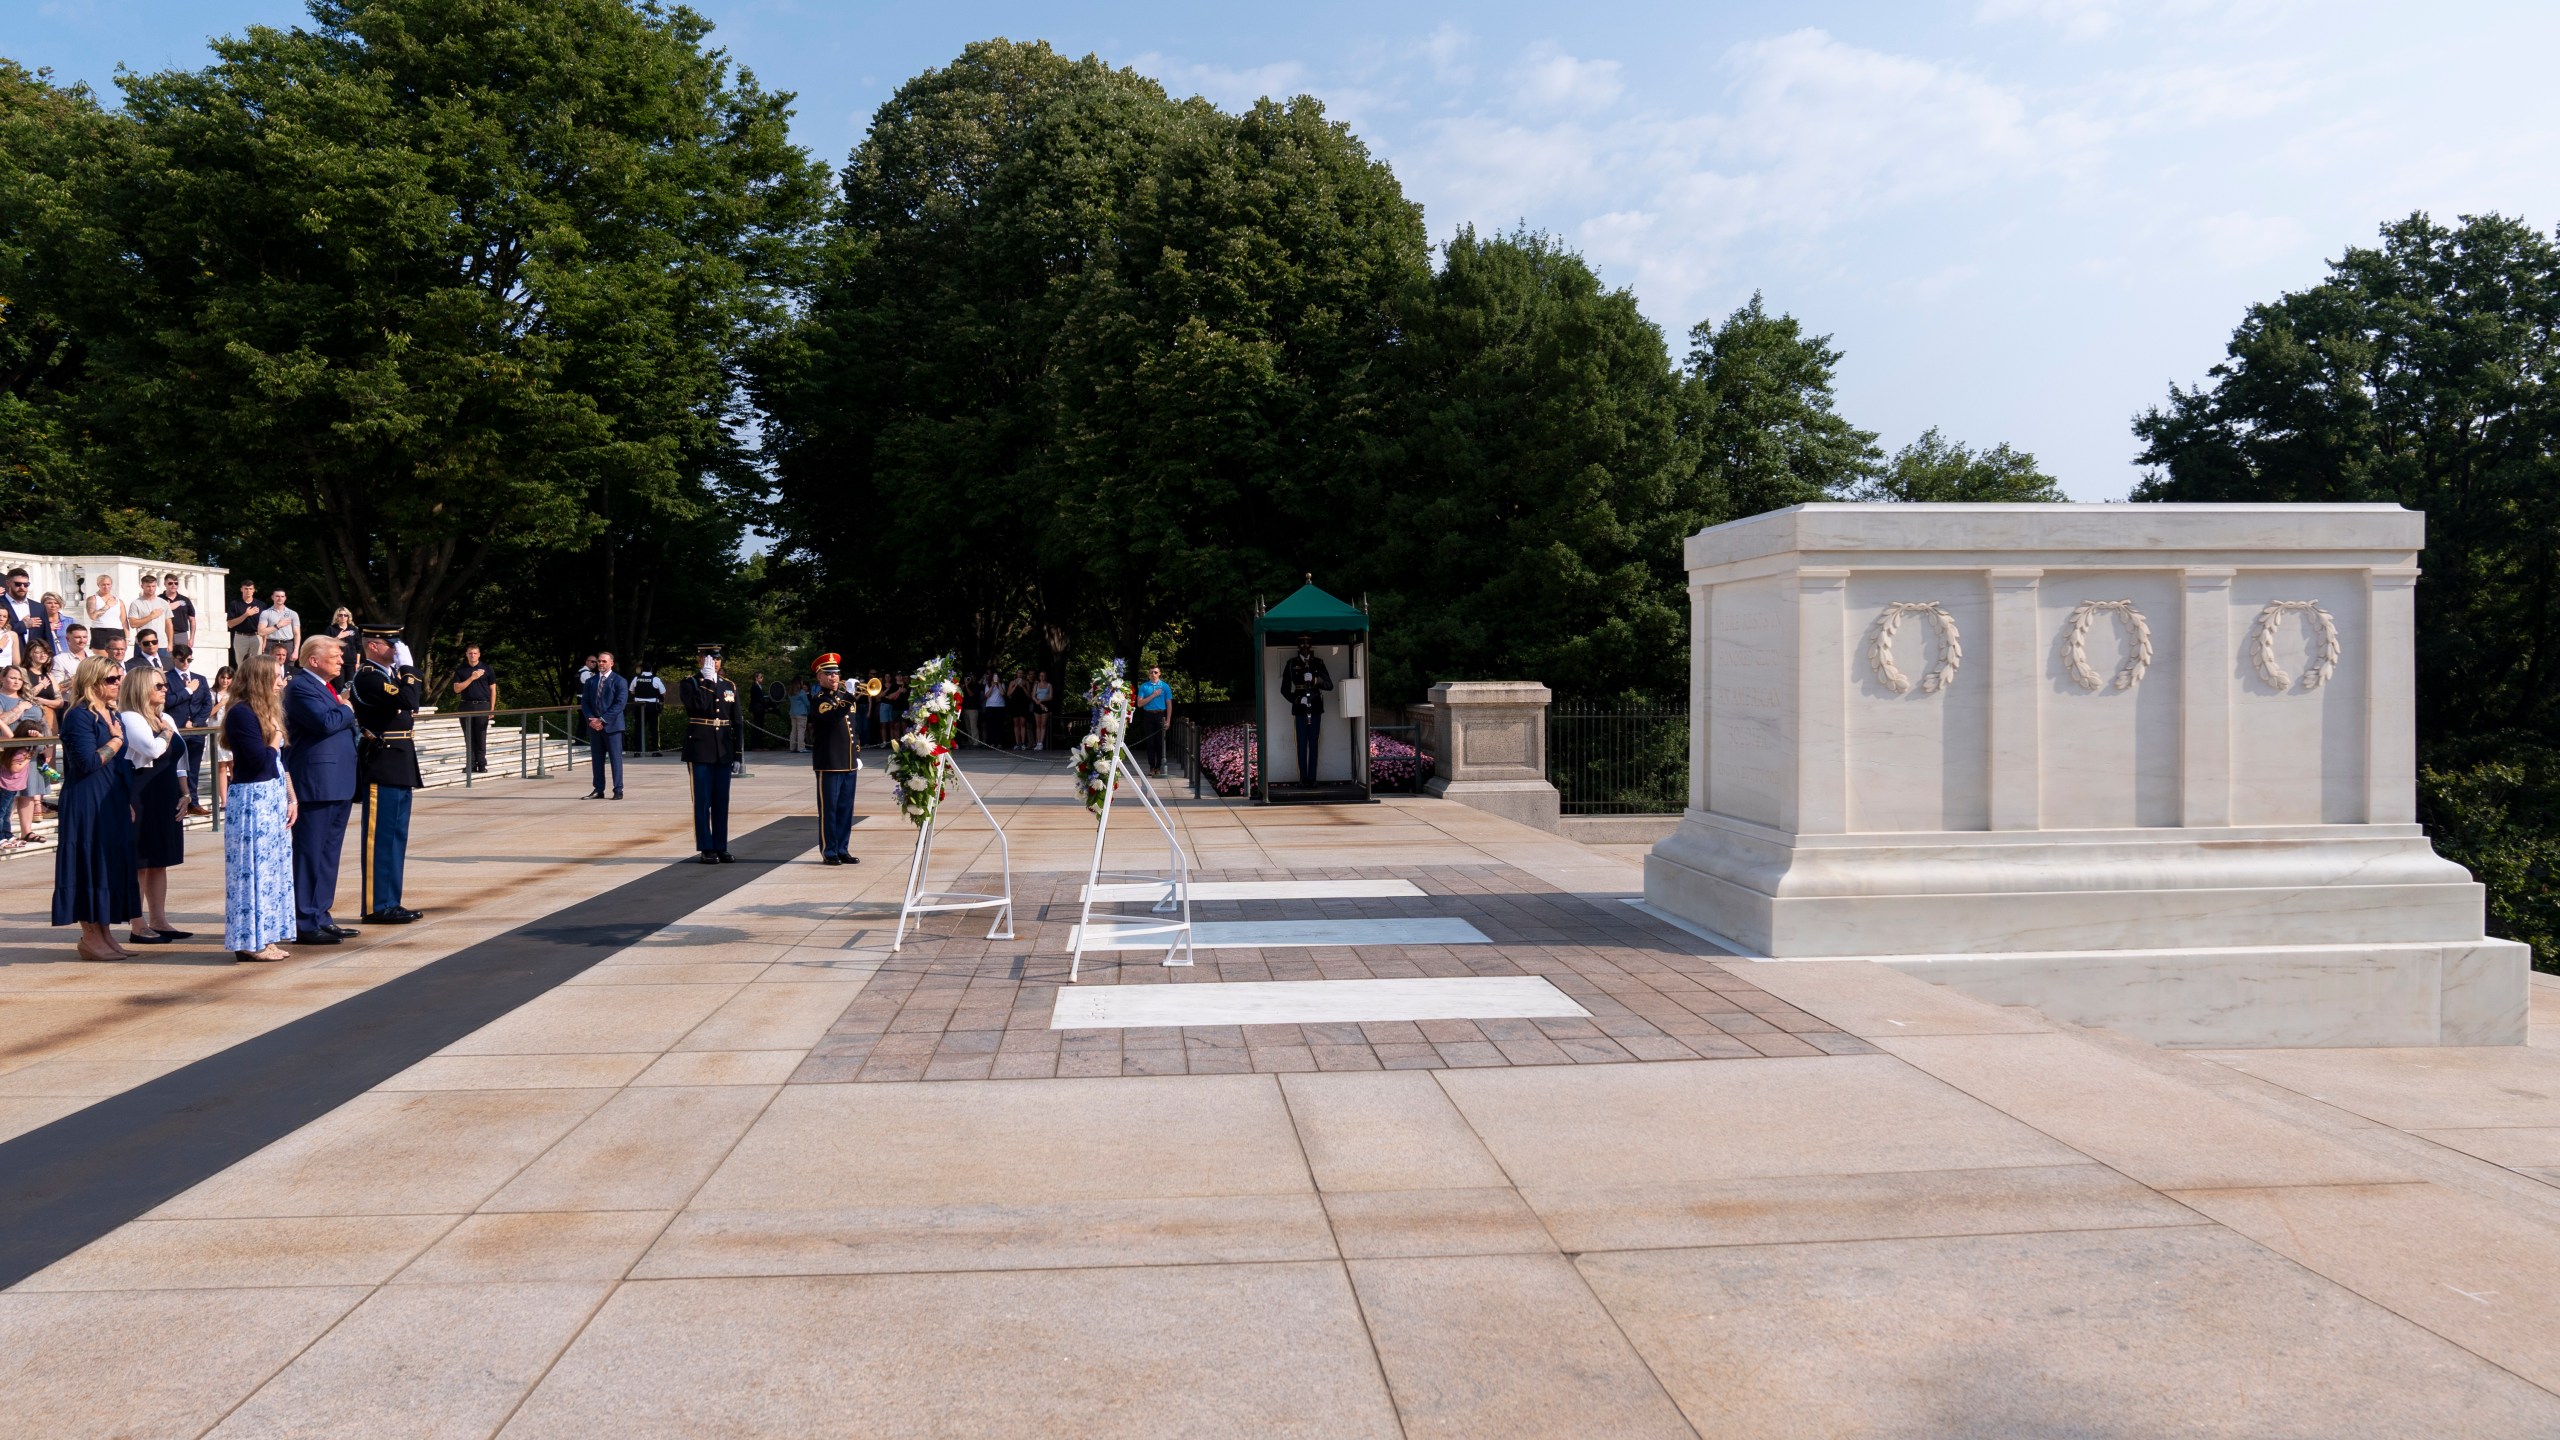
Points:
(1311, 1002)
(1267, 890)
(65, 1184)
(1287, 934)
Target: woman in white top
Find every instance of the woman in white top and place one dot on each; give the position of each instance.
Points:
(9, 651)
(159, 798)
(993, 727)
(106, 614)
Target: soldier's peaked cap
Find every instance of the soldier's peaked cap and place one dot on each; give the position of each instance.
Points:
(381, 630)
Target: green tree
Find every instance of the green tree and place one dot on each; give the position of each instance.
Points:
(1769, 435)
(410, 298)
(1533, 480)
(1934, 468)
(1084, 359)
(2420, 373)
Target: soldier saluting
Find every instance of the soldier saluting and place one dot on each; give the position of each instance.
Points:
(711, 746)
(832, 749)
(386, 695)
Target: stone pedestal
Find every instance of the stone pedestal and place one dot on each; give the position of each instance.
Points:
(1490, 739)
(2143, 766)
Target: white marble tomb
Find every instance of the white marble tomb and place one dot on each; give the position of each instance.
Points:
(2150, 767)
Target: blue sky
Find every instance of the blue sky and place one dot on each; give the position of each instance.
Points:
(2021, 219)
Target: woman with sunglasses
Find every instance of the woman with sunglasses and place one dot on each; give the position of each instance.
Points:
(159, 799)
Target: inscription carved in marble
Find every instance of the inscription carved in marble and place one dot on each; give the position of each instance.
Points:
(2137, 644)
(1942, 666)
(2324, 644)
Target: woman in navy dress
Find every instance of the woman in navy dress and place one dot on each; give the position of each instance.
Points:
(93, 870)
(152, 751)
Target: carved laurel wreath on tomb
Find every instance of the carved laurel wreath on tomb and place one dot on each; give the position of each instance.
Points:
(2137, 644)
(2324, 635)
(1942, 667)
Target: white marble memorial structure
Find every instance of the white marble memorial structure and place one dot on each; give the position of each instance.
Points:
(2149, 767)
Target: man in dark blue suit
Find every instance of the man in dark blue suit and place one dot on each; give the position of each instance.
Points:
(190, 708)
(600, 704)
(320, 755)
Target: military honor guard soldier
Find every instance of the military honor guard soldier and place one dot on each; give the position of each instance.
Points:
(1303, 681)
(711, 747)
(387, 695)
(833, 754)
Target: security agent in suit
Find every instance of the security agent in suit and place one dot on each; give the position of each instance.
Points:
(647, 694)
(320, 755)
(601, 703)
(1303, 681)
(833, 753)
(387, 695)
(711, 746)
(190, 708)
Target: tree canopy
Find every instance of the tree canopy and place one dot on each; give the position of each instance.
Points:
(414, 299)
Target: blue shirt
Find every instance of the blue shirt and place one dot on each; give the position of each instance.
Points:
(1154, 695)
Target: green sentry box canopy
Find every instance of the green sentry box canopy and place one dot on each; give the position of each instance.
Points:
(1327, 620)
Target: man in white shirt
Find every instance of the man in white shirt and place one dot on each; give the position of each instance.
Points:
(75, 648)
(147, 611)
(278, 624)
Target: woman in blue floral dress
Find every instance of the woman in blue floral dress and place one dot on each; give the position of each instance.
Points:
(257, 817)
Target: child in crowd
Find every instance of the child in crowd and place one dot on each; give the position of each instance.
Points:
(17, 806)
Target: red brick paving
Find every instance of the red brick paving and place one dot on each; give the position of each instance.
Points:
(952, 1006)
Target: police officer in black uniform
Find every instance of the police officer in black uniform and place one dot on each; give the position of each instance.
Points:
(1303, 681)
(711, 746)
(832, 752)
(386, 695)
(647, 694)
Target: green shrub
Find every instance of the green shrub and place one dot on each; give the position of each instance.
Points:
(2493, 806)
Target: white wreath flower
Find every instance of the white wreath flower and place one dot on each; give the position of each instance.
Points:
(1942, 668)
(2324, 644)
(2137, 633)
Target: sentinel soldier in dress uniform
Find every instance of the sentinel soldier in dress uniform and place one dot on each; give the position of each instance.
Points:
(1303, 681)
(832, 752)
(711, 746)
(387, 695)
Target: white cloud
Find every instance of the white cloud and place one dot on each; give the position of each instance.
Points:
(1227, 87)
(2078, 19)
(1553, 79)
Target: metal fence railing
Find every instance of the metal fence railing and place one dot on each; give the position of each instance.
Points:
(1612, 759)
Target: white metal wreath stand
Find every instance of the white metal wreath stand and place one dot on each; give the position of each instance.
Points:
(1176, 879)
(921, 901)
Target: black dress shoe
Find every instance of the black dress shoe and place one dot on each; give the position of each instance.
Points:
(343, 933)
(132, 939)
(708, 859)
(407, 915)
(384, 917)
(728, 859)
(316, 937)
(592, 795)
(178, 934)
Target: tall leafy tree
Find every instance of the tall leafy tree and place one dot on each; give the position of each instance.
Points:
(1936, 469)
(2420, 372)
(1085, 357)
(1766, 424)
(1535, 472)
(408, 298)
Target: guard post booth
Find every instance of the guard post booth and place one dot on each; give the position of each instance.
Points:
(1339, 632)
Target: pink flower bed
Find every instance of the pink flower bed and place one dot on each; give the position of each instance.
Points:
(1227, 758)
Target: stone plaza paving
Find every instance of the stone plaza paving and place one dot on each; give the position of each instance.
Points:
(749, 1173)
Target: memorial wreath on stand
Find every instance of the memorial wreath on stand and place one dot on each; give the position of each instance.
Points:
(1101, 762)
(924, 766)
